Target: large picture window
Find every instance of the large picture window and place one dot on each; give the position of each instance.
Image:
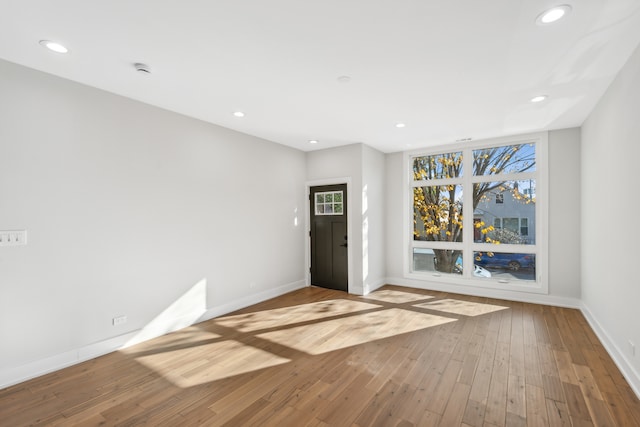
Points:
(477, 214)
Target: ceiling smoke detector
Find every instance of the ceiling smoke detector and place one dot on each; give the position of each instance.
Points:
(142, 68)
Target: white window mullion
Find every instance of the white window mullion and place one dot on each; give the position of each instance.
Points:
(467, 238)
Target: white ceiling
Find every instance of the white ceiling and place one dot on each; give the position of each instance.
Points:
(449, 69)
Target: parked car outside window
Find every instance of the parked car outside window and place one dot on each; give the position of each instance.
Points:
(513, 262)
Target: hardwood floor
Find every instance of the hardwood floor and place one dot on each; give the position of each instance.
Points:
(315, 357)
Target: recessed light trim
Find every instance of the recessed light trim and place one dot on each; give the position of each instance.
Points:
(238, 113)
(54, 46)
(538, 98)
(552, 15)
(400, 125)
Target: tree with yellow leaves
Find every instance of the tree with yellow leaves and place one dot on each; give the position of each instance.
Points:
(438, 208)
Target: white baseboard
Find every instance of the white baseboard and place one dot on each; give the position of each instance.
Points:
(17, 374)
(251, 300)
(621, 361)
(558, 301)
(371, 286)
(36, 368)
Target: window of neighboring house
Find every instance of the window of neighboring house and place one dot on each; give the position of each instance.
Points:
(511, 224)
(455, 223)
(516, 225)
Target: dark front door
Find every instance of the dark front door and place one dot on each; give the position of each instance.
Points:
(329, 237)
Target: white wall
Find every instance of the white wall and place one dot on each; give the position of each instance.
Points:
(365, 167)
(335, 164)
(610, 278)
(564, 214)
(373, 218)
(395, 188)
(128, 207)
(564, 217)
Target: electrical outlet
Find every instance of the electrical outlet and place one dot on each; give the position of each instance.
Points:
(632, 348)
(13, 237)
(119, 320)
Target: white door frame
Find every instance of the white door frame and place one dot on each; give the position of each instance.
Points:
(307, 246)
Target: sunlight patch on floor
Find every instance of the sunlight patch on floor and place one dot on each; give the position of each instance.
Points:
(191, 336)
(396, 297)
(192, 366)
(288, 315)
(335, 334)
(465, 308)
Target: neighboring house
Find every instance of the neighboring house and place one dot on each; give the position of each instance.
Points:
(504, 211)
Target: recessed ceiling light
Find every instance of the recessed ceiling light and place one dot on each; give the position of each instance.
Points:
(552, 15)
(238, 113)
(54, 46)
(313, 141)
(539, 98)
(344, 79)
(400, 125)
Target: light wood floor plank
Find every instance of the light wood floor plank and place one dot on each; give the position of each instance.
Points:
(419, 358)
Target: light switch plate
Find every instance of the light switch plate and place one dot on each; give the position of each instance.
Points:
(13, 237)
(119, 320)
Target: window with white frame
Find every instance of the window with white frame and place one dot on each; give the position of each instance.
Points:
(457, 221)
(329, 203)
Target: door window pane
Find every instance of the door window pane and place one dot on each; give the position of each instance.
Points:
(329, 203)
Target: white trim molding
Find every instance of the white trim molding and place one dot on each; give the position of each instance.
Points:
(251, 300)
(628, 371)
(505, 294)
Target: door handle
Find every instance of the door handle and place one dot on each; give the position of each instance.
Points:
(344, 245)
